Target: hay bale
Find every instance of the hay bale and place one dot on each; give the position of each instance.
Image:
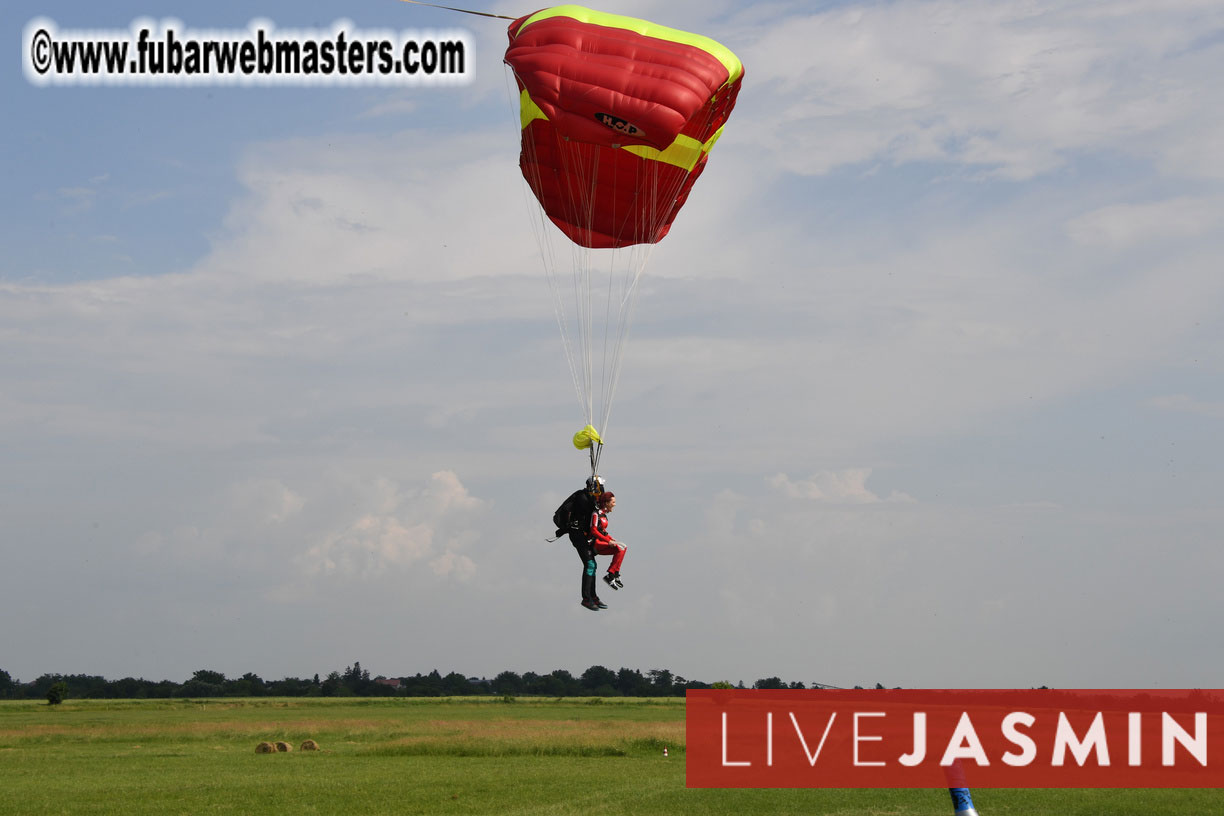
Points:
(265, 748)
(310, 745)
(284, 747)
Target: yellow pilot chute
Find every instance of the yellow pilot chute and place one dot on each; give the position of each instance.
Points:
(587, 437)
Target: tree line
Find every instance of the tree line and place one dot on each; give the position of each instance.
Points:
(355, 681)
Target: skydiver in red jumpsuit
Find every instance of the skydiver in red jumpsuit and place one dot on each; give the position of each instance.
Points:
(603, 543)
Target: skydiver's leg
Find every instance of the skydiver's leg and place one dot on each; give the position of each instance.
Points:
(588, 580)
(617, 550)
(617, 558)
(586, 554)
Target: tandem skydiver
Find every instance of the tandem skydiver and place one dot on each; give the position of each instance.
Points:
(583, 517)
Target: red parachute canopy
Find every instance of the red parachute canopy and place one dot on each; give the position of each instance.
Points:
(618, 116)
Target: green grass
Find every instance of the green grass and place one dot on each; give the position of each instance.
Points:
(427, 756)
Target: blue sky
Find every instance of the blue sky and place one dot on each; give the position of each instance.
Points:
(923, 388)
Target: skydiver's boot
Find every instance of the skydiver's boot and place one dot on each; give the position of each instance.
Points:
(600, 603)
(611, 580)
(591, 605)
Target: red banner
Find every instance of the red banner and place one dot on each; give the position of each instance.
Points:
(820, 738)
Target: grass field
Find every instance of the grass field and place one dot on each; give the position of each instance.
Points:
(430, 756)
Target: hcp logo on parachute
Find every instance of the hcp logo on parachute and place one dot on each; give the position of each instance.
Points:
(933, 739)
(619, 125)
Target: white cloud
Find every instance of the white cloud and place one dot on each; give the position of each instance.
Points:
(402, 528)
(79, 199)
(837, 487)
(1120, 226)
(359, 209)
(449, 564)
(447, 494)
(1009, 88)
(370, 547)
(267, 501)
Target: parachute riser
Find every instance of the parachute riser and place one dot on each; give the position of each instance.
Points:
(595, 450)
